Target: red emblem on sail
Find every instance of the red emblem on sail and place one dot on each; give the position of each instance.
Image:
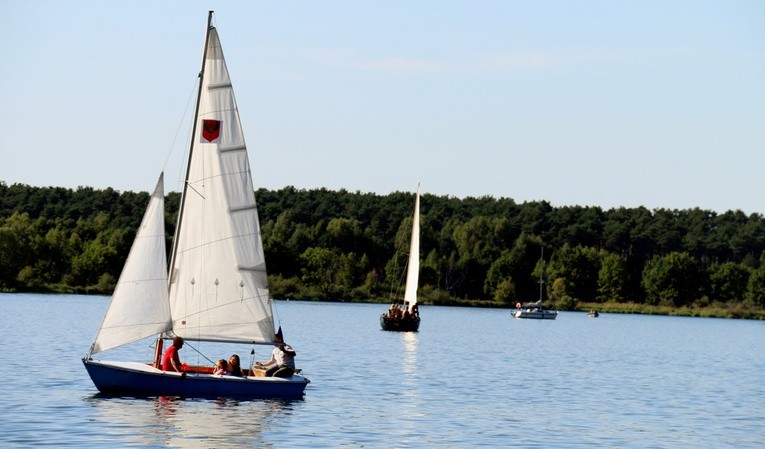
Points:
(210, 130)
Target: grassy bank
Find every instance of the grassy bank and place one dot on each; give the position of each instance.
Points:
(732, 311)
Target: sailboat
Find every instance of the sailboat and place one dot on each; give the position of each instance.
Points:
(534, 310)
(215, 288)
(406, 318)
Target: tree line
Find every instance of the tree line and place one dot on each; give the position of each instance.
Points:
(340, 245)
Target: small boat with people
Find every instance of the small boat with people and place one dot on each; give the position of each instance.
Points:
(406, 317)
(535, 310)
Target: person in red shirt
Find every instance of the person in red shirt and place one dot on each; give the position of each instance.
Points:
(170, 360)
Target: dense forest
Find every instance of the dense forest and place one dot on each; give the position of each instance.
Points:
(344, 246)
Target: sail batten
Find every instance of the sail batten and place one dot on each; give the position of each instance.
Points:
(223, 149)
(219, 86)
(259, 269)
(245, 208)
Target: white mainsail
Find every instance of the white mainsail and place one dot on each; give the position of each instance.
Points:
(139, 307)
(413, 270)
(218, 284)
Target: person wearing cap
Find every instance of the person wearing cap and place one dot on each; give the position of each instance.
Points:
(282, 362)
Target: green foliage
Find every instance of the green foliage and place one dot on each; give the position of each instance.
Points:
(580, 267)
(505, 292)
(558, 290)
(344, 234)
(612, 278)
(15, 250)
(728, 281)
(286, 288)
(672, 280)
(341, 245)
(756, 288)
(566, 303)
(321, 268)
(519, 264)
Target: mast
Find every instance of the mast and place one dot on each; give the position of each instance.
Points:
(191, 148)
(541, 274)
(159, 348)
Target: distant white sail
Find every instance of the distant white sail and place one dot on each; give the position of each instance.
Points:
(413, 270)
(139, 306)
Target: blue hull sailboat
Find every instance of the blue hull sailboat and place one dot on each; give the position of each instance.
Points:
(215, 289)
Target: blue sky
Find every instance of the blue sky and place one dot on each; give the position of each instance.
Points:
(605, 103)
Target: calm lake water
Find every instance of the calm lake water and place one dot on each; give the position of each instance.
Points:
(469, 378)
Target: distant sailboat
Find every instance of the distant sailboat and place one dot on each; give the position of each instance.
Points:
(534, 310)
(216, 290)
(407, 317)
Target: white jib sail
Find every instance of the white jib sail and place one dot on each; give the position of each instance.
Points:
(139, 306)
(218, 284)
(413, 270)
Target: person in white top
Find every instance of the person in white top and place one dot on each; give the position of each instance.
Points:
(282, 362)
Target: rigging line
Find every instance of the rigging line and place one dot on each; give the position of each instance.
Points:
(198, 325)
(396, 289)
(180, 123)
(195, 190)
(185, 343)
(275, 311)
